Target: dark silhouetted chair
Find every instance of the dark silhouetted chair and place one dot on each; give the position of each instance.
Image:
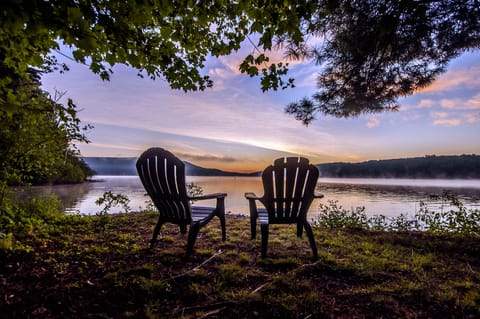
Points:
(163, 176)
(289, 187)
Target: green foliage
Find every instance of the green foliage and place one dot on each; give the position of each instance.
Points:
(37, 137)
(373, 51)
(452, 217)
(32, 220)
(72, 170)
(335, 216)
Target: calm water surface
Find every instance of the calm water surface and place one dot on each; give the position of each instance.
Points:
(389, 197)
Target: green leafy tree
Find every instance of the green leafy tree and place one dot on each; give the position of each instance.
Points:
(372, 51)
(36, 139)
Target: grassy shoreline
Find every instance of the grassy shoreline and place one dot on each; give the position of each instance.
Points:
(100, 267)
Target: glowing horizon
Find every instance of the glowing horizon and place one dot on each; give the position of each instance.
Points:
(236, 127)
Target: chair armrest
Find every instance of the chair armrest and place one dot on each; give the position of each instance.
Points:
(318, 195)
(209, 196)
(252, 204)
(220, 206)
(251, 196)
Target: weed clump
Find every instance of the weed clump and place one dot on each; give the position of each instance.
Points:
(451, 217)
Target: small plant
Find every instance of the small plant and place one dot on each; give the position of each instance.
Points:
(231, 273)
(194, 189)
(452, 216)
(335, 216)
(6, 241)
(110, 200)
(149, 206)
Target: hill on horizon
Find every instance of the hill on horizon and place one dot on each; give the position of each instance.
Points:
(125, 166)
(429, 166)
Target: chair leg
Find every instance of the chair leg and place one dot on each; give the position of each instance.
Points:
(222, 223)
(192, 237)
(183, 229)
(253, 227)
(309, 232)
(264, 229)
(156, 231)
(299, 229)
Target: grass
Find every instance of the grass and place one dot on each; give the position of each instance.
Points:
(82, 268)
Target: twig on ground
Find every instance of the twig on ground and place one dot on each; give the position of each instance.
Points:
(260, 288)
(216, 308)
(218, 253)
(213, 312)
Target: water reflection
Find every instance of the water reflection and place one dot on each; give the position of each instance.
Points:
(68, 194)
(388, 197)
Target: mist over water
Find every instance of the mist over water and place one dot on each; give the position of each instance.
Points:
(389, 197)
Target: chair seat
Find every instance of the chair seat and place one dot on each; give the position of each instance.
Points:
(263, 218)
(262, 215)
(202, 213)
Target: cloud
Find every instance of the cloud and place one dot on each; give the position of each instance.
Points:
(442, 118)
(110, 149)
(450, 103)
(454, 79)
(447, 122)
(425, 103)
(223, 72)
(474, 102)
(204, 157)
(472, 117)
(373, 122)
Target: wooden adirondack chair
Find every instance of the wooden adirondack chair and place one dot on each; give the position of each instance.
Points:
(289, 187)
(163, 176)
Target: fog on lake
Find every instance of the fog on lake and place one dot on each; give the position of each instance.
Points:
(389, 197)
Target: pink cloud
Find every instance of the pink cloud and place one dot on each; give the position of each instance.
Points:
(442, 118)
(474, 102)
(453, 79)
(373, 122)
(447, 122)
(472, 117)
(460, 104)
(425, 103)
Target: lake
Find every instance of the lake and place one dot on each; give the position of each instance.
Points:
(390, 197)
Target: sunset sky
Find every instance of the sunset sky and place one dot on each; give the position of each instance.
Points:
(236, 127)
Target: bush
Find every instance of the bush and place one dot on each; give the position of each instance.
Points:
(452, 216)
(22, 224)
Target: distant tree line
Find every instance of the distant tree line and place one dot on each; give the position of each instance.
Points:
(430, 166)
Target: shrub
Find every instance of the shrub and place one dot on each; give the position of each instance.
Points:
(451, 216)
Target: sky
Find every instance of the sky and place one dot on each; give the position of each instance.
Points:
(235, 127)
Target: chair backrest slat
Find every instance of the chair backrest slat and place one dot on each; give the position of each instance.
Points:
(268, 188)
(163, 176)
(289, 186)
